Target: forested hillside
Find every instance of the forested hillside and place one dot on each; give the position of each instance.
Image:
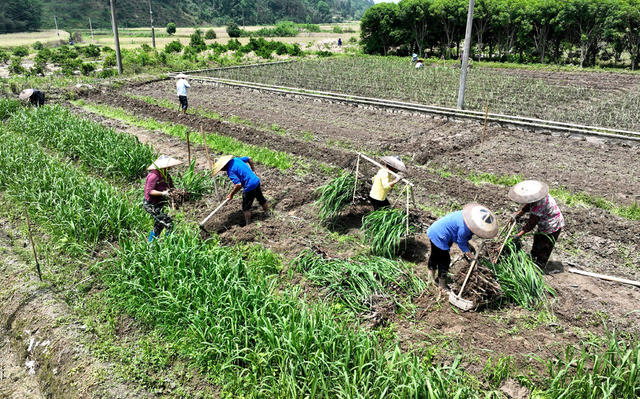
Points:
(75, 14)
(559, 31)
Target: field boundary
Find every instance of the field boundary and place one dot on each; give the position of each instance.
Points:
(533, 124)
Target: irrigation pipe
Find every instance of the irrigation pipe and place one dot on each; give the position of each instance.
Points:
(449, 112)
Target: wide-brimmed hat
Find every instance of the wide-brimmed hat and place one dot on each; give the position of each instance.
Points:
(221, 163)
(395, 163)
(528, 191)
(480, 220)
(164, 162)
(181, 76)
(25, 94)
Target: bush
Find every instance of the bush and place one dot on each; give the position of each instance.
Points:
(234, 44)
(37, 46)
(310, 27)
(69, 67)
(210, 35)
(171, 28)
(109, 61)
(86, 68)
(107, 49)
(90, 51)
(233, 30)
(197, 42)
(173, 47)
(264, 52)
(4, 56)
(337, 29)
(322, 53)
(107, 73)
(21, 51)
(16, 67)
(145, 47)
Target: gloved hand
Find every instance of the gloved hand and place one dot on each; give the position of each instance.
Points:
(165, 193)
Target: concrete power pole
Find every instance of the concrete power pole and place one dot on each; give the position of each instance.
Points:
(153, 32)
(55, 19)
(114, 26)
(465, 56)
(91, 29)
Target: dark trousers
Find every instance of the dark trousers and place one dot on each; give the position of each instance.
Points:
(439, 260)
(377, 204)
(184, 104)
(160, 219)
(249, 196)
(542, 247)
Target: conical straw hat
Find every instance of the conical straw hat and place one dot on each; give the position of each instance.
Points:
(528, 191)
(480, 220)
(221, 162)
(181, 76)
(395, 163)
(25, 94)
(164, 162)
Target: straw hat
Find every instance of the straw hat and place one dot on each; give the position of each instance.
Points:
(528, 191)
(181, 76)
(395, 163)
(221, 163)
(480, 220)
(164, 162)
(25, 94)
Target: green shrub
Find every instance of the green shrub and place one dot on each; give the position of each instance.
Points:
(337, 29)
(20, 51)
(322, 53)
(233, 30)
(310, 27)
(197, 42)
(86, 68)
(16, 68)
(4, 56)
(384, 230)
(107, 73)
(37, 46)
(196, 184)
(109, 61)
(234, 44)
(146, 48)
(173, 47)
(210, 35)
(171, 28)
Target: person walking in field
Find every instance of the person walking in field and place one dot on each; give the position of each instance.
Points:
(156, 192)
(181, 86)
(544, 213)
(34, 96)
(457, 227)
(382, 183)
(242, 172)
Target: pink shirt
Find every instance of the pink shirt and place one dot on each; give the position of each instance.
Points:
(551, 219)
(155, 181)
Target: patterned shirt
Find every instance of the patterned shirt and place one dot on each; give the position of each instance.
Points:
(551, 219)
(156, 181)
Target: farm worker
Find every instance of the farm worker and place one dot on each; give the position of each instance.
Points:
(242, 172)
(156, 190)
(35, 97)
(420, 64)
(544, 212)
(339, 42)
(382, 183)
(457, 227)
(181, 86)
(414, 57)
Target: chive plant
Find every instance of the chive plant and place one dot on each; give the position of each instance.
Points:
(354, 281)
(384, 229)
(335, 196)
(196, 184)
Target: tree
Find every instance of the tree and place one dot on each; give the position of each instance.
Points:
(415, 15)
(233, 30)
(21, 15)
(543, 17)
(171, 28)
(632, 30)
(378, 28)
(323, 8)
(451, 17)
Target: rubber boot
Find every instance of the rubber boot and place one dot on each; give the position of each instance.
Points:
(152, 235)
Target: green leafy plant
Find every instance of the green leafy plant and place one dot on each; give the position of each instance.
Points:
(196, 184)
(335, 196)
(384, 229)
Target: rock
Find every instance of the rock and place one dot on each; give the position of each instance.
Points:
(513, 390)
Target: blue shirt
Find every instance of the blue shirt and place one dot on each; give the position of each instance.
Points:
(450, 229)
(240, 173)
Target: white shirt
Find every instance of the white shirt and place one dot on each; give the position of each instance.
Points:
(181, 86)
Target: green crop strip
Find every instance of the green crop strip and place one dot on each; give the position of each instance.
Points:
(219, 143)
(360, 281)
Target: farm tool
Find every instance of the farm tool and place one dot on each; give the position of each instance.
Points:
(206, 220)
(457, 300)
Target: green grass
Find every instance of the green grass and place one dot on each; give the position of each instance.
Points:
(219, 143)
(335, 196)
(384, 230)
(196, 184)
(355, 281)
(8, 107)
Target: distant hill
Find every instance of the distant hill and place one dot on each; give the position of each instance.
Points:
(75, 14)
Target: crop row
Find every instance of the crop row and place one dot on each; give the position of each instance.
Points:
(395, 78)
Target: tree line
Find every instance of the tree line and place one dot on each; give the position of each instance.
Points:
(545, 31)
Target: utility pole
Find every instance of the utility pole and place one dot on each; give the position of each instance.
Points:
(55, 19)
(114, 26)
(153, 32)
(465, 56)
(91, 29)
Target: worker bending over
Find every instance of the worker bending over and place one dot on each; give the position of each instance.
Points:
(382, 182)
(34, 96)
(457, 227)
(156, 192)
(241, 171)
(544, 212)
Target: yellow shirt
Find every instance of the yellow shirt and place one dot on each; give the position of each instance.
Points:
(381, 186)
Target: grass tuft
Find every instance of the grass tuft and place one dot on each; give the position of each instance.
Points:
(384, 229)
(335, 196)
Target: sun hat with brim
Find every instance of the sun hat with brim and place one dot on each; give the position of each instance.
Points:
(395, 163)
(528, 191)
(181, 76)
(25, 94)
(480, 220)
(221, 163)
(164, 162)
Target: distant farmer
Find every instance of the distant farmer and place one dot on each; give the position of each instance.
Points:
(339, 42)
(419, 64)
(414, 57)
(242, 173)
(544, 212)
(382, 182)
(457, 227)
(35, 97)
(156, 191)
(181, 86)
